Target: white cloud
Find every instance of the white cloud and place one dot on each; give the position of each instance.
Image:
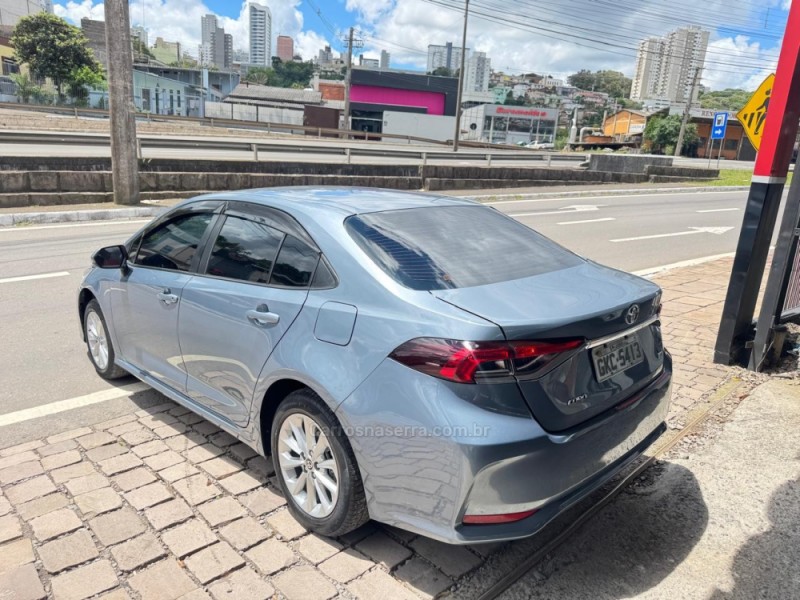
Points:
(75, 11)
(370, 10)
(739, 51)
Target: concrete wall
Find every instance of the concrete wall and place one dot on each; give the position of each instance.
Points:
(624, 163)
(248, 112)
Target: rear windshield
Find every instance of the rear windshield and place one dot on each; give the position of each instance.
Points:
(455, 246)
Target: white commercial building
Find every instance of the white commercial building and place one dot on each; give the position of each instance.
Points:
(260, 28)
(499, 124)
(447, 56)
(11, 11)
(140, 33)
(667, 66)
(477, 70)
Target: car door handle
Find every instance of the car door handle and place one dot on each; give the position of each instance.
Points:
(262, 316)
(167, 297)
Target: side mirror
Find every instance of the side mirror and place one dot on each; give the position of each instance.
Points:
(110, 257)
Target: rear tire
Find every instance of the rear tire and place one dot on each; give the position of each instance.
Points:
(315, 466)
(98, 343)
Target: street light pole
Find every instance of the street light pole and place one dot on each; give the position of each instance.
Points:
(457, 133)
(348, 80)
(687, 113)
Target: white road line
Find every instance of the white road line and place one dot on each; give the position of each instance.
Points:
(68, 225)
(521, 197)
(57, 407)
(684, 263)
(564, 210)
(712, 210)
(31, 277)
(586, 221)
(691, 231)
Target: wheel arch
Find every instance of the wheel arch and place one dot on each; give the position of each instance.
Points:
(84, 297)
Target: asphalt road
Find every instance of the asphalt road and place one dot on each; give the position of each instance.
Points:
(44, 360)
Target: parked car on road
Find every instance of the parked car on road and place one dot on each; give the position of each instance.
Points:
(421, 360)
(542, 146)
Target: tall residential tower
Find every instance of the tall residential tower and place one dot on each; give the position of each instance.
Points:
(260, 34)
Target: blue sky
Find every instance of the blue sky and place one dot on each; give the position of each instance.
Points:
(550, 37)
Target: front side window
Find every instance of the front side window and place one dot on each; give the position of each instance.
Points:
(173, 244)
(244, 250)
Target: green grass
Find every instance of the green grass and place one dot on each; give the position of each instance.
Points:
(736, 177)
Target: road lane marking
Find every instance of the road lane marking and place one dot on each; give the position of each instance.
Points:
(67, 225)
(684, 263)
(713, 210)
(31, 277)
(564, 210)
(46, 410)
(692, 231)
(586, 221)
(520, 198)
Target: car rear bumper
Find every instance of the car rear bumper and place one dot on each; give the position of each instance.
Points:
(484, 462)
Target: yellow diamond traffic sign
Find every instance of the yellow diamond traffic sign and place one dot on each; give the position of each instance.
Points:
(754, 113)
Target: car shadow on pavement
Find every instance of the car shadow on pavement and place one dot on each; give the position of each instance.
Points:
(628, 548)
(767, 565)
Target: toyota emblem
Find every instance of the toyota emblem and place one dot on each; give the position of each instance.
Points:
(632, 315)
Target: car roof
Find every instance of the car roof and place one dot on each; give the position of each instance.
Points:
(335, 200)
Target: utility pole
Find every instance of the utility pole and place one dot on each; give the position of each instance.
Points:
(687, 112)
(457, 133)
(351, 42)
(124, 162)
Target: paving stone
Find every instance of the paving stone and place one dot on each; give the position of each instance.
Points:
(69, 551)
(74, 471)
(271, 556)
(150, 448)
(59, 448)
(285, 525)
(304, 583)
(138, 552)
(84, 582)
(197, 594)
(133, 479)
(105, 452)
(315, 548)
(10, 528)
(190, 418)
(241, 482)
(346, 566)
(182, 443)
(196, 489)
(213, 562)
(190, 537)
(244, 533)
(178, 472)
(158, 420)
(118, 464)
(153, 410)
(85, 484)
(5, 506)
(54, 524)
(115, 422)
(29, 490)
(56, 461)
(179, 410)
(383, 550)
(165, 580)
(20, 472)
(262, 501)
(93, 440)
(222, 439)
(206, 428)
(20, 448)
(117, 594)
(171, 430)
(242, 452)
(424, 579)
(119, 430)
(202, 453)
(379, 584)
(261, 466)
(453, 560)
(351, 538)
(118, 526)
(163, 460)
(222, 511)
(137, 436)
(244, 584)
(15, 554)
(98, 502)
(68, 435)
(168, 514)
(22, 583)
(41, 506)
(149, 495)
(16, 459)
(219, 467)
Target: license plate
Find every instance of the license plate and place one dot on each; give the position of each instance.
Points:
(616, 357)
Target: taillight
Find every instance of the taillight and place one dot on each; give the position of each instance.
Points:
(497, 519)
(461, 361)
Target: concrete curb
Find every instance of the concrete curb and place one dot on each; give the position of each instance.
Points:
(623, 192)
(69, 216)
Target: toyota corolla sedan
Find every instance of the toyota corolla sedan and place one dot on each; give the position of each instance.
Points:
(421, 360)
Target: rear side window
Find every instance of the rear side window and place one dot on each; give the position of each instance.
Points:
(444, 247)
(295, 264)
(244, 250)
(173, 244)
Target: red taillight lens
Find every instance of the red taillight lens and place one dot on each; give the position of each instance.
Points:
(497, 519)
(460, 361)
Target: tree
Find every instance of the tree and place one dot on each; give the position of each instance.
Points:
(52, 48)
(259, 75)
(613, 83)
(26, 88)
(282, 74)
(727, 99)
(442, 72)
(140, 49)
(661, 133)
(84, 78)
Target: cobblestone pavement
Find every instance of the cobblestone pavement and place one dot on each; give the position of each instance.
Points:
(163, 505)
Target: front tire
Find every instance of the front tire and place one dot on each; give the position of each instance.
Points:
(98, 343)
(315, 466)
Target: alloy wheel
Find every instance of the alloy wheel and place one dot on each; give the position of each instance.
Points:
(96, 338)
